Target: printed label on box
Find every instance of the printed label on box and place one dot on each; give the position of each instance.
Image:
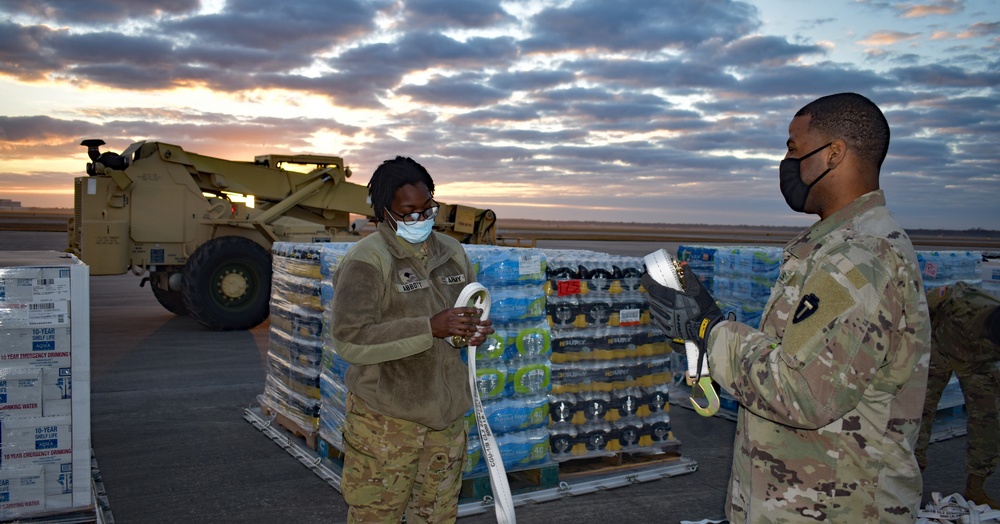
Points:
(32, 290)
(19, 344)
(22, 491)
(35, 314)
(20, 392)
(35, 441)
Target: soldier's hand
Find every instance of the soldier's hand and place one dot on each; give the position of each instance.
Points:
(687, 315)
(461, 326)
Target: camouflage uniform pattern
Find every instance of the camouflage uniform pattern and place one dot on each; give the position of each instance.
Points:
(960, 344)
(832, 384)
(392, 464)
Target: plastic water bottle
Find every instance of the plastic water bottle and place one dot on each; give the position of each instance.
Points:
(528, 376)
(517, 303)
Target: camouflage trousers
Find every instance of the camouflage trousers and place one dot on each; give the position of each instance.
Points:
(392, 466)
(980, 384)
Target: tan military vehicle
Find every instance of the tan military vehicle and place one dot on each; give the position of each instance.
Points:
(200, 229)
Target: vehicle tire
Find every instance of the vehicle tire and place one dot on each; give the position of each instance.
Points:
(227, 284)
(172, 300)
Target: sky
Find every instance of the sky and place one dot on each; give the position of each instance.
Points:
(651, 111)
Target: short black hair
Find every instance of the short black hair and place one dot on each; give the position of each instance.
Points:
(392, 175)
(854, 119)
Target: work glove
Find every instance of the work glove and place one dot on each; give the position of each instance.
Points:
(688, 315)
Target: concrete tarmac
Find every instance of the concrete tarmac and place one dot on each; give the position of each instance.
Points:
(172, 445)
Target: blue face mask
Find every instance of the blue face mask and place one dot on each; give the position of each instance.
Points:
(414, 233)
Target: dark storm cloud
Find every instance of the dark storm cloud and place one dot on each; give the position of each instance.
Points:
(639, 25)
(454, 13)
(97, 12)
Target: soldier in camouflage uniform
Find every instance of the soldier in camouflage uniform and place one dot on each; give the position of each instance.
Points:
(394, 322)
(832, 384)
(966, 339)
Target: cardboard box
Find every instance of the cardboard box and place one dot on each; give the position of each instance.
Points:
(47, 349)
(57, 391)
(21, 492)
(20, 392)
(45, 442)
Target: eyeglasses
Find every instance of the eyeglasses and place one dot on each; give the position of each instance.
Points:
(412, 218)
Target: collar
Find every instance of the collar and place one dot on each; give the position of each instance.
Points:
(806, 241)
(401, 249)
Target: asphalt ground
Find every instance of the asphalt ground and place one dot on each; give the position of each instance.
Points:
(171, 443)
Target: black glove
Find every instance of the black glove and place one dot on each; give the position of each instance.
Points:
(681, 314)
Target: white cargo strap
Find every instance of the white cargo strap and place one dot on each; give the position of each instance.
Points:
(475, 295)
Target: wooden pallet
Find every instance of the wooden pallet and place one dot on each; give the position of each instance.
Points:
(523, 481)
(289, 425)
(597, 465)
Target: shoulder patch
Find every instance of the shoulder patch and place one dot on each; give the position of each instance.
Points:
(807, 306)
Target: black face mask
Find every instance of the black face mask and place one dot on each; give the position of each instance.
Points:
(793, 188)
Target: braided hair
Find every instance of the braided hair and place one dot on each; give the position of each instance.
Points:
(392, 175)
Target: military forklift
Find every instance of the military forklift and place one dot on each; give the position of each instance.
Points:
(199, 229)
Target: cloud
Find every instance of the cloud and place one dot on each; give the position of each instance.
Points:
(40, 129)
(623, 111)
(302, 27)
(98, 12)
(937, 7)
(939, 75)
(638, 25)
(425, 14)
(766, 50)
(886, 38)
(980, 29)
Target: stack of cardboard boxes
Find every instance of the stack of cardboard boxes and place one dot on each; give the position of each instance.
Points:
(44, 357)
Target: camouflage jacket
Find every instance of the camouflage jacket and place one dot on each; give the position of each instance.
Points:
(383, 299)
(832, 384)
(959, 316)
